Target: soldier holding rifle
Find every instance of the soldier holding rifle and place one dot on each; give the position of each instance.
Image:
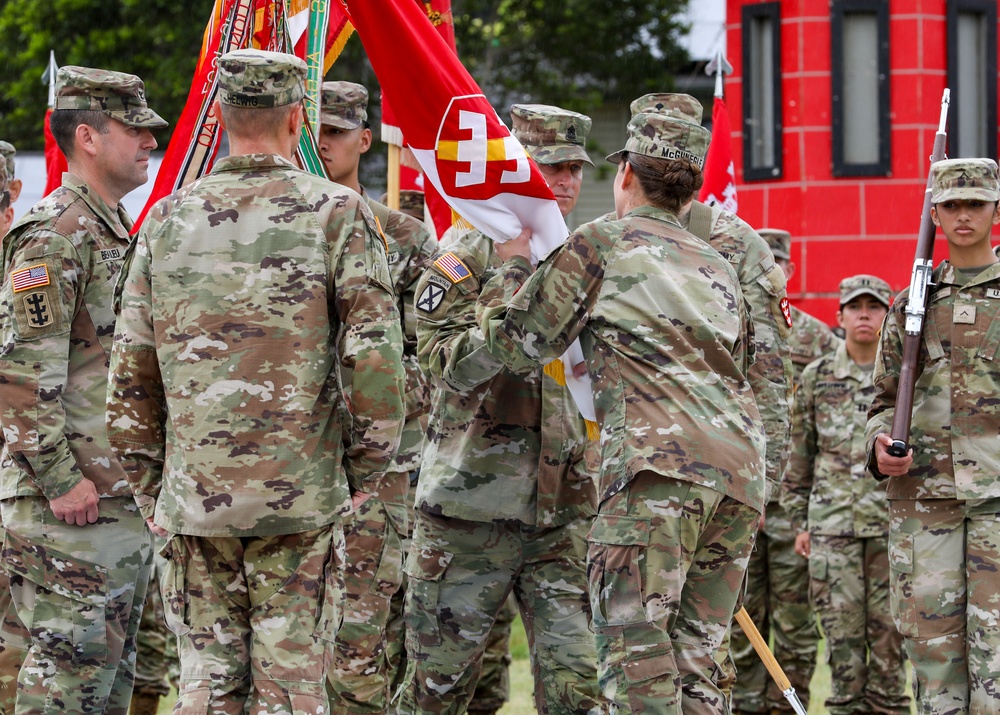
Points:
(944, 493)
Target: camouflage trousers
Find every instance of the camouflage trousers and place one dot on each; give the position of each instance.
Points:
(255, 619)
(156, 664)
(944, 556)
(493, 686)
(361, 675)
(79, 591)
(777, 600)
(460, 573)
(849, 587)
(12, 647)
(666, 566)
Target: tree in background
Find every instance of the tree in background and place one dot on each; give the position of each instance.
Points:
(159, 40)
(578, 54)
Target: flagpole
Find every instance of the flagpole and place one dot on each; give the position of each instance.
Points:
(720, 67)
(50, 75)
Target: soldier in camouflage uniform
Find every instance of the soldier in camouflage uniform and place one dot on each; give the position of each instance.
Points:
(944, 497)
(156, 664)
(763, 285)
(361, 675)
(11, 650)
(840, 512)
(76, 548)
(682, 484)
(256, 391)
(506, 493)
(8, 152)
(777, 592)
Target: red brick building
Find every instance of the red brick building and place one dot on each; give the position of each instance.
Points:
(834, 105)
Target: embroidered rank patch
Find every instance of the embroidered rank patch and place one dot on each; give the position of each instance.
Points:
(964, 314)
(430, 298)
(452, 267)
(30, 277)
(37, 310)
(786, 310)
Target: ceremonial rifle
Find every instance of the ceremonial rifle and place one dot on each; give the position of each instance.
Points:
(760, 645)
(916, 305)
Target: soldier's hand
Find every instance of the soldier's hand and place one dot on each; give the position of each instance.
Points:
(887, 464)
(520, 246)
(158, 530)
(802, 545)
(78, 506)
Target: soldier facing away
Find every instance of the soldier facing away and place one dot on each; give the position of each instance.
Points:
(944, 497)
(76, 547)
(362, 672)
(840, 513)
(506, 495)
(682, 480)
(256, 385)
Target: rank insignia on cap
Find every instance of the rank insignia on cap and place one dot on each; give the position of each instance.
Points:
(30, 277)
(452, 267)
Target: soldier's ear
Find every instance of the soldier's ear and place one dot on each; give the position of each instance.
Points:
(14, 187)
(934, 216)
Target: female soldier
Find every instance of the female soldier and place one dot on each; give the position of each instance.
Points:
(665, 332)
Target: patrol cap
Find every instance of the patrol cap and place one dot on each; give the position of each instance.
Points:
(119, 95)
(853, 286)
(779, 241)
(551, 135)
(964, 179)
(663, 136)
(261, 79)
(4, 178)
(343, 105)
(7, 151)
(683, 106)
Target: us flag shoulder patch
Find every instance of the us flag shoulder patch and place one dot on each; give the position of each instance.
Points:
(452, 267)
(30, 277)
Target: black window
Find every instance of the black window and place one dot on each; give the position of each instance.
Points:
(762, 91)
(860, 77)
(972, 72)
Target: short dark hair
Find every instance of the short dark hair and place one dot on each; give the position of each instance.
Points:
(64, 122)
(255, 121)
(667, 183)
(4, 200)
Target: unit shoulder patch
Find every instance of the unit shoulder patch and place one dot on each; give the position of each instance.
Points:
(430, 297)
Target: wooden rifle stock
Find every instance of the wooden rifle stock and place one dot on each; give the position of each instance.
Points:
(916, 306)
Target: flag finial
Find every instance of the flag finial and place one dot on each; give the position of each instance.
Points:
(719, 66)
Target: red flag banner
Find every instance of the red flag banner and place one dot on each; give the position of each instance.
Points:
(55, 162)
(720, 174)
(463, 148)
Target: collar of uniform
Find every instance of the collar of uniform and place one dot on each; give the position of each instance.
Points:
(843, 366)
(251, 162)
(117, 218)
(948, 275)
(655, 213)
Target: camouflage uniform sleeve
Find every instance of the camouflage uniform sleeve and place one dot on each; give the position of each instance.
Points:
(886, 379)
(136, 409)
(546, 314)
(450, 343)
(798, 480)
(370, 349)
(35, 367)
(417, 388)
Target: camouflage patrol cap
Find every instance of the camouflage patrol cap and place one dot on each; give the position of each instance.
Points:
(119, 95)
(683, 106)
(7, 151)
(964, 179)
(662, 136)
(779, 240)
(853, 286)
(551, 135)
(343, 105)
(261, 79)
(4, 178)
